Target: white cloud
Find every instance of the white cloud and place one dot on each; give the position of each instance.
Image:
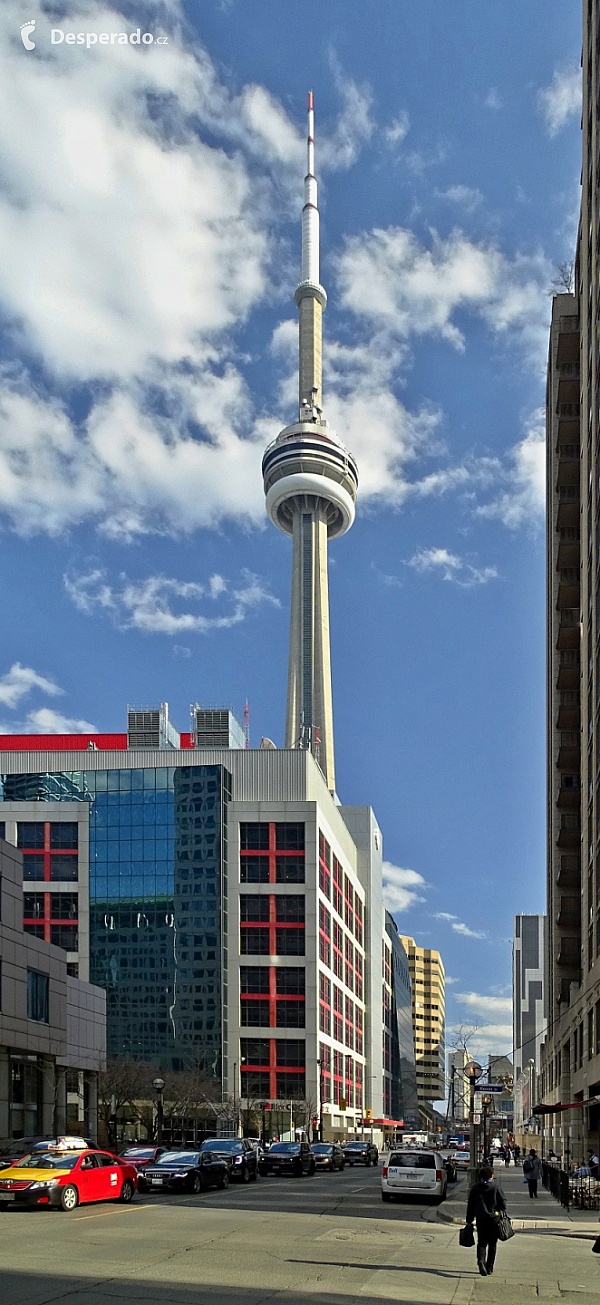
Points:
(488, 1039)
(399, 886)
(458, 926)
(485, 1005)
(561, 100)
(523, 500)
(46, 721)
(493, 99)
(148, 605)
(451, 567)
(397, 130)
(467, 197)
(16, 683)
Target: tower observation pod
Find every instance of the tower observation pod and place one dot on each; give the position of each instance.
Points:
(311, 483)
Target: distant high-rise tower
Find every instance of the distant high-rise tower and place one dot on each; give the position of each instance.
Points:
(311, 483)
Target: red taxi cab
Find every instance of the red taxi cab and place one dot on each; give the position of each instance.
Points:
(67, 1176)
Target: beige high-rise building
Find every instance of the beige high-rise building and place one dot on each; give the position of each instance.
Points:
(428, 978)
(570, 1059)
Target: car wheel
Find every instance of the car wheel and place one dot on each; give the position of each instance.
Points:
(195, 1185)
(127, 1192)
(245, 1174)
(69, 1198)
(385, 1196)
(223, 1181)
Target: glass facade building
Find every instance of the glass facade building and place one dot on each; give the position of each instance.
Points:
(158, 899)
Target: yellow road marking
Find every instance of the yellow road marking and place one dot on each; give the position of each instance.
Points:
(102, 1214)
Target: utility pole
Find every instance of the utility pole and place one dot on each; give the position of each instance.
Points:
(473, 1072)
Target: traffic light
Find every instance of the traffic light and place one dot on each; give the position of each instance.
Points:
(342, 1103)
(368, 1114)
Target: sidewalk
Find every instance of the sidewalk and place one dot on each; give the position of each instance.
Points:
(526, 1214)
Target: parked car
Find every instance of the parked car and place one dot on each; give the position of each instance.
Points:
(414, 1173)
(141, 1156)
(289, 1157)
(16, 1148)
(361, 1153)
(462, 1160)
(328, 1156)
(67, 1178)
(185, 1171)
(239, 1155)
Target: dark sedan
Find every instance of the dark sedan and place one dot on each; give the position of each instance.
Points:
(328, 1156)
(238, 1154)
(361, 1153)
(11, 1151)
(185, 1171)
(289, 1158)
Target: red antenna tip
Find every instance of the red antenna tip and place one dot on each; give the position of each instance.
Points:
(310, 100)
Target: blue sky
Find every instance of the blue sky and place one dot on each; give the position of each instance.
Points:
(149, 214)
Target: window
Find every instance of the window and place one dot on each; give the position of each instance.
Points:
(291, 980)
(65, 936)
(38, 997)
(254, 942)
(2, 829)
(290, 1053)
(64, 867)
(33, 906)
(254, 908)
(289, 942)
(338, 1014)
(337, 886)
(254, 837)
(289, 869)
(255, 1012)
(30, 833)
(254, 870)
(289, 838)
(255, 1084)
(255, 1051)
(324, 866)
(290, 909)
(64, 906)
(33, 866)
(291, 1085)
(63, 835)
(291, 1014)
(254, 978)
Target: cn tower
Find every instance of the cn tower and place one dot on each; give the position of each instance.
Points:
(311, 483)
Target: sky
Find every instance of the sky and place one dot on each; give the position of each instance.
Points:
(149, 221)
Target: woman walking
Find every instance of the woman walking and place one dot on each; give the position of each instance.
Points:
(532, 1170)
(486, 1202)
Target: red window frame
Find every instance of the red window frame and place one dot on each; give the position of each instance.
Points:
(273, 1068)
(272, 924)
(338, 878)
(33, 924)
(325, 1058)
(272, 852)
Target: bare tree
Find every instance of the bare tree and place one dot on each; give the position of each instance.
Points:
(123, 1083)
(563, 282)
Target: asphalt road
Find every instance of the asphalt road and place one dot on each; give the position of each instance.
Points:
(286, 1239)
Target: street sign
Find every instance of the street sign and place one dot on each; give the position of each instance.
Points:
(493, 1087)
(478, 1101)
(476, 1119)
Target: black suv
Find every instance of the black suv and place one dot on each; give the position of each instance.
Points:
(361, 1153)
(238, 1153)
(289, 1158)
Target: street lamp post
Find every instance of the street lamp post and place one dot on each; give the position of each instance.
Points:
(473, 1071)
(159, 1084)
(320, 1082)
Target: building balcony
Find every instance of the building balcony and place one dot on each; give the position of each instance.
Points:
(568, 630)
(569, 912)
(568, 467)
(567, 675)
(569, 382)
(568, 715)
(569, 794)
(568, 589)
(567, 344)
(568, 952)
(567, 555)
(568, 874)
(569, 834)
(567, 512)
(569, 753)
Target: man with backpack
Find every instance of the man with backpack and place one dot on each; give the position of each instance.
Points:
(532, 1169)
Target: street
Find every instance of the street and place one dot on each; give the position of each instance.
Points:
(327, 1240)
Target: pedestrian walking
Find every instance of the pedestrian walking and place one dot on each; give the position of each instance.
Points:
(506, 1156)
(532, 1169)
(486, 1202)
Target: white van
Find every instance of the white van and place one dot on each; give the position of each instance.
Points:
(414, 1173)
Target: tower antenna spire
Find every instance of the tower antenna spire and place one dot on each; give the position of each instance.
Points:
(311, 483)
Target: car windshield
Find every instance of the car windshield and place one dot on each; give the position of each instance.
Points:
(321, 1148)
(222, 1144)
(138, 1153)
(356, 1146)
(18, 1147)
(285, 1148)
(48, 1160)
(412, 1160)
(178, 1158)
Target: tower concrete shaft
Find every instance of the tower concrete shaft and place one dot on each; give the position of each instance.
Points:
(311, 483)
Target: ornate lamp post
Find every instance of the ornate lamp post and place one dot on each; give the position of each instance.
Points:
(159, 1084)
